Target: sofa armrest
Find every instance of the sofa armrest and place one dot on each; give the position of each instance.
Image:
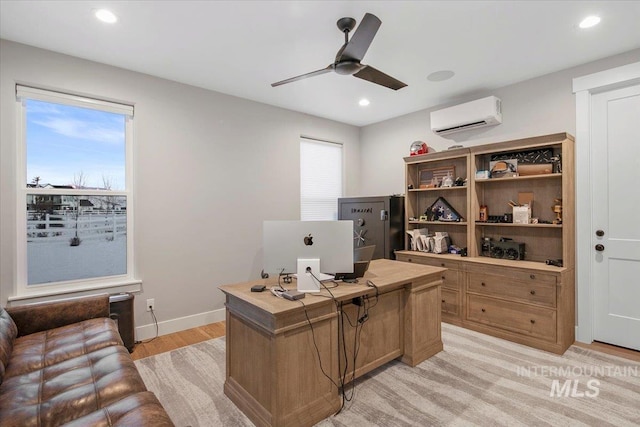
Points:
(38, 317)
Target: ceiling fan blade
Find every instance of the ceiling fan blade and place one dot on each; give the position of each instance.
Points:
(329, 68)
(369, 73)
(361, 39)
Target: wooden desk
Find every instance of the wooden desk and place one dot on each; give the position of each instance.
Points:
(273, 373)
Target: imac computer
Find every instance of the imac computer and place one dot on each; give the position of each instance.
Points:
(308, 248)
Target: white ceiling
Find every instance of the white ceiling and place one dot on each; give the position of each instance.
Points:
(241, 47)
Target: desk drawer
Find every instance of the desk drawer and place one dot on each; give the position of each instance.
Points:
(531, 321)
(450, 302)
(532, 291)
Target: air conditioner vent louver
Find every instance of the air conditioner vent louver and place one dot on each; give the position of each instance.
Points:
(464, 127)
(471, 115)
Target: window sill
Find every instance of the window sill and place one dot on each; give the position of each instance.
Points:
(128, 285)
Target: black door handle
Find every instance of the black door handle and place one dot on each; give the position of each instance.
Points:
(599, 247)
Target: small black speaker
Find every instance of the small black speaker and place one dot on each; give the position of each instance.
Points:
(121, 310)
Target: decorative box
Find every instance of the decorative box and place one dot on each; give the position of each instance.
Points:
(521, 214)
(483, 174)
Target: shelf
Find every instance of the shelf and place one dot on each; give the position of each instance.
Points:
(438, 222)
(447, 255)
(519, 264)
(511, 286)
(520, 178)
(508, 224)
(458, 153)
(418, 190)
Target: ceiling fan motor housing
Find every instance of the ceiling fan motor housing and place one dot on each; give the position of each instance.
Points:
(346, 24)
(347, 67)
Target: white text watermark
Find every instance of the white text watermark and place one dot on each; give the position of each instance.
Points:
(577, 381)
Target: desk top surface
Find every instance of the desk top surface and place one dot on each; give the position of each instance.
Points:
(385, 274)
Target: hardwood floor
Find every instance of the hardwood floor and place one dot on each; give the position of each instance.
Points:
(192, 336)
(627, 353)
(178, 339)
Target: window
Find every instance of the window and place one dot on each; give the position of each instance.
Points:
(75, 198)
(320, 179)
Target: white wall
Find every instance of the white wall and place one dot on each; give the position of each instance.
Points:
(538, 106)
(209, 168)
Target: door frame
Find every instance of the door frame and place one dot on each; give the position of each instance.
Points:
(584, 87)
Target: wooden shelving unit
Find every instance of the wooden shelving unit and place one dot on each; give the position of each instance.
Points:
(526, 301)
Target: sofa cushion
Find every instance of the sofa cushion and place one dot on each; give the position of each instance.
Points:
(41, 316)
(62, 392)
(140, 410)
(8, 333)
(37, 351)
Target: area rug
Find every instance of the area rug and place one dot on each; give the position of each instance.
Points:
(476, 380)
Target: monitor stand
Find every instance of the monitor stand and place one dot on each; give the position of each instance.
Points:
(306, 282)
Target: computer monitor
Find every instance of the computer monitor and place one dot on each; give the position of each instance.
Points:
(294, 246)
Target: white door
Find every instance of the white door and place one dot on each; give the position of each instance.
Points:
(615, 171)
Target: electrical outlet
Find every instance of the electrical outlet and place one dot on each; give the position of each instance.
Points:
(151, 304)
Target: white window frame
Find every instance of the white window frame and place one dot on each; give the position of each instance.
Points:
(118, 283)
(342, 174)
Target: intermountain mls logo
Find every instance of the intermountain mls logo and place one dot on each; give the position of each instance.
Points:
(577, 381)
(571, 388)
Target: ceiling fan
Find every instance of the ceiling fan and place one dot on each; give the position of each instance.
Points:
(351, 53)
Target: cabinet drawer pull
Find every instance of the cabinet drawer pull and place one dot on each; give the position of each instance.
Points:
(483, 310)
(443, 277)
(410, 260)
(442, 264)
(482, 284)
(533, 292)
(443, 301)
(533, 321)
(532, 276)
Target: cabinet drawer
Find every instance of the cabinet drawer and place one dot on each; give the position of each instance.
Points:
(450, 278)
(533, 291)
(450, 302)
(514, 273)
(531, 321)
(439, 262)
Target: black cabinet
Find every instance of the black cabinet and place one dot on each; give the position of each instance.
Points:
(121, 310)
(377, 221)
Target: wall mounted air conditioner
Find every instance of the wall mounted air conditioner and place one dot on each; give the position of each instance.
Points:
(470, 115)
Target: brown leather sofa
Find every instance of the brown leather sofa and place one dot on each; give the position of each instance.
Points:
(63, 363)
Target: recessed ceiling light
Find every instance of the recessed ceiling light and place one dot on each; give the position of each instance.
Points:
(106, 16)
(364, 102)
(590, 21)
(441, 75)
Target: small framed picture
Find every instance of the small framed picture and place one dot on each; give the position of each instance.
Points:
(432, 178)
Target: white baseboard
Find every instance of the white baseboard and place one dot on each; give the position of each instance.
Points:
(579, 338)
(165, 327)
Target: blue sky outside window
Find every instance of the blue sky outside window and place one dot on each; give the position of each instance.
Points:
(65, 141)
